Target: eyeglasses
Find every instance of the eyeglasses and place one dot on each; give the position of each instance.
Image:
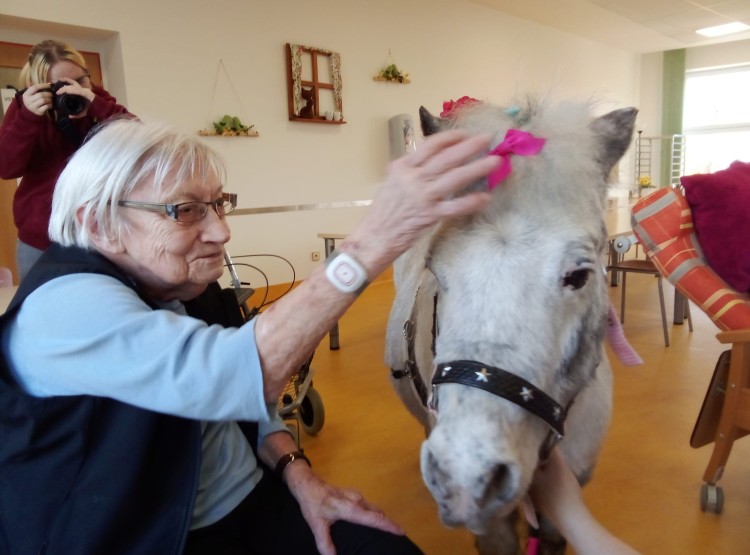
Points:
(187, 212)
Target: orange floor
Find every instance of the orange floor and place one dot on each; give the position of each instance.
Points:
(646, 487)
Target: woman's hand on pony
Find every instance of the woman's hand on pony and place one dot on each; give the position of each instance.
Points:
(423, 188)
(556, 493)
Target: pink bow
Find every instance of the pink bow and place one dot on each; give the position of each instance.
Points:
(515, 142)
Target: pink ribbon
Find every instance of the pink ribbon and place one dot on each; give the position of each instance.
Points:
(515, 142)
(620, 346)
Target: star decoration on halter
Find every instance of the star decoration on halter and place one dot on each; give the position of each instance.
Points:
(527, 394)
(557, 413)
(482, 375)
(446, 369)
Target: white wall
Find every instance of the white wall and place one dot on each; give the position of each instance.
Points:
(700, 57)
(718, 55)
(170, 52)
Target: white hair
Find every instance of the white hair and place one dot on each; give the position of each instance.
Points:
(120, 156)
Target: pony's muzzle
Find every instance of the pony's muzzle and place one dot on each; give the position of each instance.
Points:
(470, 499)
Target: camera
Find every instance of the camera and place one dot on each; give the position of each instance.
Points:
(67, 104)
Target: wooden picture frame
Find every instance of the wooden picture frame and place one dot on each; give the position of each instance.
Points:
(314, 85)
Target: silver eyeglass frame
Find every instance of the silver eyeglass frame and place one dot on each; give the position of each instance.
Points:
(227, 203)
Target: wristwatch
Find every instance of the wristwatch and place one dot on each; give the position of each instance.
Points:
(287, 459)
(346, 273)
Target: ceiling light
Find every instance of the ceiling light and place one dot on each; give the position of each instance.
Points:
(726, 29)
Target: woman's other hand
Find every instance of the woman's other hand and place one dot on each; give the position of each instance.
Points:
(38, 99)
(323, 504)
(555, 492)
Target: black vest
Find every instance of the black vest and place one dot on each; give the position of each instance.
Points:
(90, 475)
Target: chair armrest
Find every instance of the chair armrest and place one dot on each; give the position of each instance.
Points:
(734, 336)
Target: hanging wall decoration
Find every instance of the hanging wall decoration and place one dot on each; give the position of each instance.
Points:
(227, 126)
(314, 84)
(391, 73)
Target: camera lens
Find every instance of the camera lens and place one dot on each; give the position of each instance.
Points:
(71, 104)
(68, 104)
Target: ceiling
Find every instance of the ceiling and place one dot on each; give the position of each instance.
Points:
(635, 25)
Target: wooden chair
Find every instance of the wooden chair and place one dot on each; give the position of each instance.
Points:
(644, 266)
(663, 224)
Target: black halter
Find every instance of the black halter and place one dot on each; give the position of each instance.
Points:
(411, 370)
(489, 378)
(503, 384)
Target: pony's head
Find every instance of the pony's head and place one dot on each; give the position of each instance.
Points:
(521, 292)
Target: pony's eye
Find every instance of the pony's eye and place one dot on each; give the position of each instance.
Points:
(577, 278)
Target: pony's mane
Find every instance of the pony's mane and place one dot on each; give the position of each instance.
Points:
(566, 172)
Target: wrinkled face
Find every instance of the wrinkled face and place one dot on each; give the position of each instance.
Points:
(526, 294)
(168, 258)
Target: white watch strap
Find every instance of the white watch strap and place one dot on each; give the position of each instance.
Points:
(346, 273)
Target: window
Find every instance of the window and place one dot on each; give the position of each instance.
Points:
(716, 118)
(313, 83)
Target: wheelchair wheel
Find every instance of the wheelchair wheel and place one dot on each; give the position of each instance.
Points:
(712, 498)
(311, 412)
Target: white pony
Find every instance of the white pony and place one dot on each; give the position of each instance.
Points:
(499, 318)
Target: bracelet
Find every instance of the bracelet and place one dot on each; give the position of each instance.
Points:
(287, 459)
(346, 273)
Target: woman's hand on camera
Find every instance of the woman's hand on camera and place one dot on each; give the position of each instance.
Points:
(75, 88)
(38, 99)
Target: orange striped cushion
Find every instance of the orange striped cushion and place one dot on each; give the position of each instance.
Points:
(663, 224)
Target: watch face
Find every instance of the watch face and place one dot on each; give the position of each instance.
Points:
(344, 272)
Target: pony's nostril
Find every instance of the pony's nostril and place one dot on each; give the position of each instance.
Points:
(436, 478)
(499, 484)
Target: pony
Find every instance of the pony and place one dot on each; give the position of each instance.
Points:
(495, 336)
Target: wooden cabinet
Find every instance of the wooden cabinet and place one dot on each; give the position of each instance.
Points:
(8, 233)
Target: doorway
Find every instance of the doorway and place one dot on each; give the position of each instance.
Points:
(12, 58)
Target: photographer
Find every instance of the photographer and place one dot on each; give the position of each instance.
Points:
(44, 125)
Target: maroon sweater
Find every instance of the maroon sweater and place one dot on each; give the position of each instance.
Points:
(32, 148)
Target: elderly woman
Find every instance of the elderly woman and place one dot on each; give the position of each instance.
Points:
(136, 412)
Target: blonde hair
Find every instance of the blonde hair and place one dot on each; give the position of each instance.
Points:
(41, 59)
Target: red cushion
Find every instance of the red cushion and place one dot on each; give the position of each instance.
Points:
(720, 203)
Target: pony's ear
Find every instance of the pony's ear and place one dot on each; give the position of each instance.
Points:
(430, 124)
(613, 133)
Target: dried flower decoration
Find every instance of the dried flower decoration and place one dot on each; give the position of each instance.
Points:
(392, 73)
